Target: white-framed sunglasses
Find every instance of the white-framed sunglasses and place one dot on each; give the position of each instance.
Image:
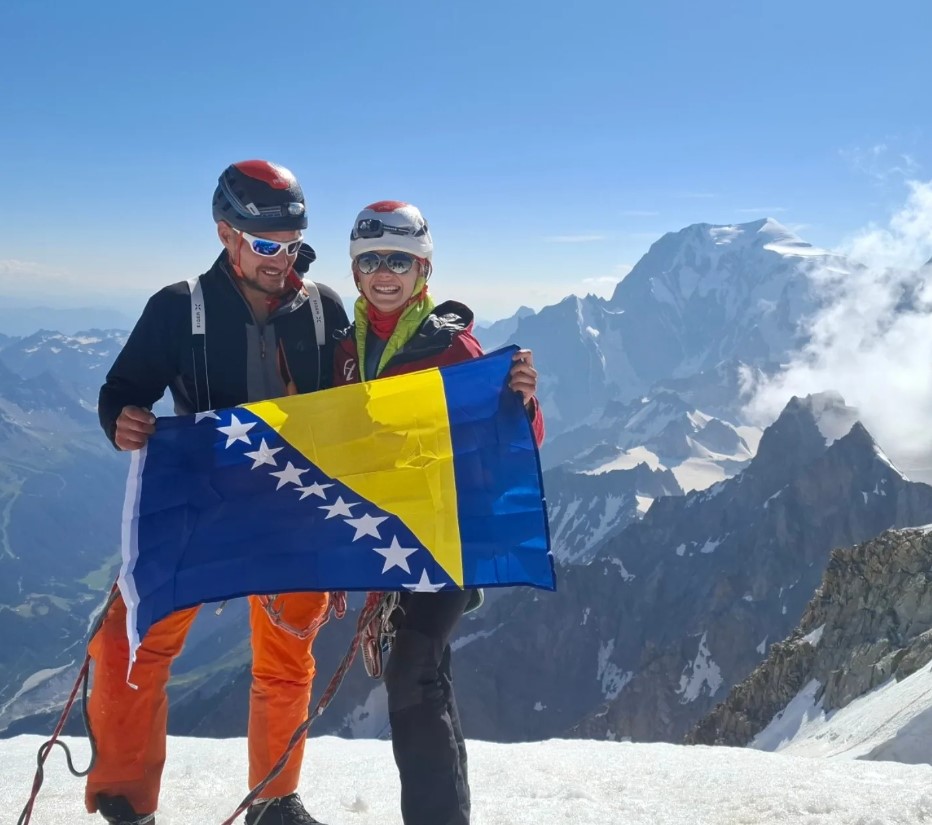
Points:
(269, 249)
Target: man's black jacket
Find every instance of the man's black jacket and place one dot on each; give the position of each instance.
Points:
(237, 361)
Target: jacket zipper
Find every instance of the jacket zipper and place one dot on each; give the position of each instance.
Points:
(259, 327)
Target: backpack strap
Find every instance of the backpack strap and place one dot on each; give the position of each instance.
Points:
(317, 310)
(199, 344)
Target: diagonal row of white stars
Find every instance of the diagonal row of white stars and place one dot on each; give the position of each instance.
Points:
(367, 525)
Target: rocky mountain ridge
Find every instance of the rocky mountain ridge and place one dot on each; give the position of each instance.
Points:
(870, 621)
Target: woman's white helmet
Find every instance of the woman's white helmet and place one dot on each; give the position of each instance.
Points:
(391, 225)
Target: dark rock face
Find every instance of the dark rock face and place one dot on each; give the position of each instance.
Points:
(585, 510)
(870, 620)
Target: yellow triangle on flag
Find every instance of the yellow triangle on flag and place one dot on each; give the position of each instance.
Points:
(389, 441)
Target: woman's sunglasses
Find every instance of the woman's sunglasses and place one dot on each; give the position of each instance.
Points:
(398, 263)
(269, 249)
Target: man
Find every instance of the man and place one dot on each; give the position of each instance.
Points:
(247, 330)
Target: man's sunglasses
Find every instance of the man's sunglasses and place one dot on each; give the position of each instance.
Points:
(269, 249)
(398, 263)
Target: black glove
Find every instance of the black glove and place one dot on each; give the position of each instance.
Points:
(306, 256)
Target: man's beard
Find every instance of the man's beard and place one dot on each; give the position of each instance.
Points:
(257, 283)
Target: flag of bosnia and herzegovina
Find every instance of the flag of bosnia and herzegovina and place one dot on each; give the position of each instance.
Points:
(425, 481)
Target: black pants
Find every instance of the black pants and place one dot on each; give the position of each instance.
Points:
(426, 736)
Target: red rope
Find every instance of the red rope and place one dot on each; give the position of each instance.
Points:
(47, 746)
(365, 617)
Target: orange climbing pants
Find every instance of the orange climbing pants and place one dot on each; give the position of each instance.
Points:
(129, 724)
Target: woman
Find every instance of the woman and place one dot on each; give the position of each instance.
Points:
(399, 329)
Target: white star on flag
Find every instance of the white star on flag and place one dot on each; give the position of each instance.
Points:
(198, 417)
(425, 585)
(263, 455)
(315, 489)
(366, 526)
(395, 555)
(236, 431)
(290, 475)
(341, 508)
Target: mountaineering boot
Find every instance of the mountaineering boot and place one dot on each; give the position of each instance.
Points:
(117, 811)
(284, 810)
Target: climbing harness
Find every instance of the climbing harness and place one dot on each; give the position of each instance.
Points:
(337, 607)
(379, 634)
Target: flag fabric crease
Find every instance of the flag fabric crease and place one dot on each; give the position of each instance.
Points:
(425, 481)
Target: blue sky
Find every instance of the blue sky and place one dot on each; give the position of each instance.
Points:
(547, 145)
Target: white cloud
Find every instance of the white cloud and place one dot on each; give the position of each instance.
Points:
(907, 243)
(18, 276)
(582, 238)
(10, 266)
(601, 285)
(873, 340)
(604, 285)
(881, 163)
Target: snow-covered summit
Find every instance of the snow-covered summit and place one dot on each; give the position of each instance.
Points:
(36, 353)
(78, 362)
(767, 233)
(702, 296)
(759, 258)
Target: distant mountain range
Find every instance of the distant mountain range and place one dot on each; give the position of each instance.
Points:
(60, 487)
(16, 321)
(700, 298)
(495, 334)
(78, 362)
(656, 373)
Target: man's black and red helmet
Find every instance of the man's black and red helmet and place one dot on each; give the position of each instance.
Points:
(257, 196)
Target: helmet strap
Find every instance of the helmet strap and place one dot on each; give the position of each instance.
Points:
(235, 261)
